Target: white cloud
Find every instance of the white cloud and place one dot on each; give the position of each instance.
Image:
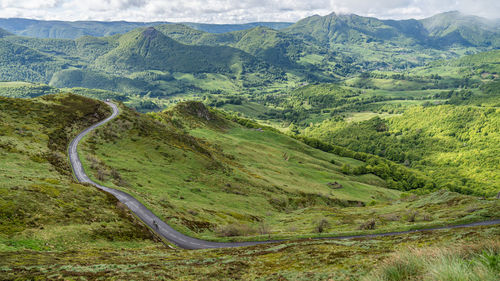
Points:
(231, 11)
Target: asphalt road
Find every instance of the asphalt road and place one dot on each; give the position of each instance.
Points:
(164, 230)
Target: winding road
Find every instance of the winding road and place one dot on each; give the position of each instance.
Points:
(164, 230)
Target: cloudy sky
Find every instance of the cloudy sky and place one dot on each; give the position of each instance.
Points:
(236, 11)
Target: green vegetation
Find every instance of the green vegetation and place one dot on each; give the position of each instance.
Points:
(25, 90)
(41, 207)
(77, 29)
(294, 260)
(179, 162)
(454, 145)
(272, 46)
(358, 125)
(258, 63)
(471, 262)
(180, 175)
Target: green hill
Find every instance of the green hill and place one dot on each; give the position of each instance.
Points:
(77, 29)
(41, 207)
(270, 45)
(455, 145)
(335, 28)
(211, 177)
(257, 174)
(456, 28)
(149, 49)
(21, 63)
(439, 31)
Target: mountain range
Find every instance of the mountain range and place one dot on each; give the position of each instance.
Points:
(150, 60)
(76, 29)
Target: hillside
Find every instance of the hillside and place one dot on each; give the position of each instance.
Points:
(77, 29)
(21, 63)
(149, 49)
(268, 44)
(41, 207)
(181, 175)
(211, 177)
(484, 65)
(219, 163)
(455, 28)
(453, 144)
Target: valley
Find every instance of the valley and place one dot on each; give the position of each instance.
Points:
(337, 147)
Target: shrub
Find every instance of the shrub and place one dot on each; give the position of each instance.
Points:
(264, 228)
(322, 225)
(411, 216)
(391, 217)
(368, 225)
(235, 229)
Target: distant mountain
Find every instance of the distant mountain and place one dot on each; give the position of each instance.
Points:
(223, 28)
(149, 49)
(19, 62)
(335, 28)
(65, 29)
(442, 30)
(77, 29)
(456, 28)
(268, 44)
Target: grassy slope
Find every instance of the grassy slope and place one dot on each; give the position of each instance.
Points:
(41, 207)
(225, 179)
(259, 182)
(73, 231)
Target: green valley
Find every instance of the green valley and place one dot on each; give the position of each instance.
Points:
(335, 147)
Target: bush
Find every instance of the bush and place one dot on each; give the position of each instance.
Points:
(368, 225)
(411, 216)
(235, 229)
(322, 225)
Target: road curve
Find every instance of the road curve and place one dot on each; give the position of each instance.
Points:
(164, 230)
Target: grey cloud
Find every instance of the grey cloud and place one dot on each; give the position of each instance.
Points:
(230, 11)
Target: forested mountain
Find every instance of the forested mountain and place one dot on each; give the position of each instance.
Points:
(333, 28)
(439, 31)
(77, 29)
(456, 28)
(149, 49)
(127, 62)
(268, 44)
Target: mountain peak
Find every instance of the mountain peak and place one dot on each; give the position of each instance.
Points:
(151, 33)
